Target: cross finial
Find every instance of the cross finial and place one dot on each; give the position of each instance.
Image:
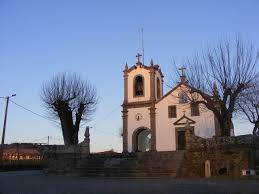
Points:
(138, 56)
(182, 69)
(183, 76)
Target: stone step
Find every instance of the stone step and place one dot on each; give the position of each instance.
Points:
(131, 162)
(128, 174)
(125, 170)
(129, 167)
(125, 173)
(137, 165)
(173, 166)
(122, 170)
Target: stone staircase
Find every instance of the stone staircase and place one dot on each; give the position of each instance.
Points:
(149, 164)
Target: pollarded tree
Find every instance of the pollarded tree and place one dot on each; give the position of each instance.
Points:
(219, 75)
(248, 104)
(70, 100)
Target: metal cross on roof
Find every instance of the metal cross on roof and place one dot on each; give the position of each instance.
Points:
(182, 69)
(138, 56)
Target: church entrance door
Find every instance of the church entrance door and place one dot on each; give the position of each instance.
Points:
(142, 140)
(180, 139)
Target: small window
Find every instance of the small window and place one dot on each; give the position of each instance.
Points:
(158, 88)
(139, 86)
(183, 98)
(172, 111)
(195, 109)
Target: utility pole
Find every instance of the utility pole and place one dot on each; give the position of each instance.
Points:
(4, 127)
(48, 140)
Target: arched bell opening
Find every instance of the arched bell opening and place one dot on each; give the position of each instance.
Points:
(138, 86)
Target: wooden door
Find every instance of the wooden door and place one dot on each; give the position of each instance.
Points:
(181, 140)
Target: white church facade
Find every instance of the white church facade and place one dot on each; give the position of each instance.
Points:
(153, 121)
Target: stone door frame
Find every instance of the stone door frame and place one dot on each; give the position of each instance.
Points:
(177, 129)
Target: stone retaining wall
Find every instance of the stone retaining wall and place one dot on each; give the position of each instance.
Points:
(227, 156)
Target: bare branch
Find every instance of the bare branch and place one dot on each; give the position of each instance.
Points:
(71, 100)
(230, 68)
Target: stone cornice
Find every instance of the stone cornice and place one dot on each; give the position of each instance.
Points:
(150, 68)
(137, 104)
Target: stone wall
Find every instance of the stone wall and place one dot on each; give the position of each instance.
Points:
(227, 156)
(60, 159)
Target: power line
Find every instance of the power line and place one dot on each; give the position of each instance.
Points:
(39, 139)
(44, 117)
(107, 115)
(56, 138)
(104, 118)
(105, 132)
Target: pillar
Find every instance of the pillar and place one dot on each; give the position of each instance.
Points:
(125, 129)
(153, 126)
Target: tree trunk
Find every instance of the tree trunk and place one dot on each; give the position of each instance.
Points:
(75, 136)
(67, 127)
(66, 135)
(256, 127)
(225, 126)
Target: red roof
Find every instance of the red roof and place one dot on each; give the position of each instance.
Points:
(22, 151)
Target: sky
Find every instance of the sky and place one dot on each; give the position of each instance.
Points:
(43, 38)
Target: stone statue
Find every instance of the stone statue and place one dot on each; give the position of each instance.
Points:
(85, 145)
(87, 133)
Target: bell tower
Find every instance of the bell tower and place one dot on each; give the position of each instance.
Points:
(143, 86)
(142, 83)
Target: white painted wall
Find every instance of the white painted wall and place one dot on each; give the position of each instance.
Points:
(133, 124)
(165, 129)
(146, 75)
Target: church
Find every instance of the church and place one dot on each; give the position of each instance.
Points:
(154, 121)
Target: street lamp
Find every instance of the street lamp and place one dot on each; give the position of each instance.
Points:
(4, 127)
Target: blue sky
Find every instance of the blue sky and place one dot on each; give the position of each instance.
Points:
(39, 39)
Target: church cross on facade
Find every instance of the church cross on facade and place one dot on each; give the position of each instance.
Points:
(138, 56)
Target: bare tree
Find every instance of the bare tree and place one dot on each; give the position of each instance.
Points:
(219, 75)
(71, 100)
(248, 104)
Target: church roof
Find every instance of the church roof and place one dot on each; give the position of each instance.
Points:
(22, 151)
(173, 89)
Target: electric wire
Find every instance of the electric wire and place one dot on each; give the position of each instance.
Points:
(44, 117)
(61, 139)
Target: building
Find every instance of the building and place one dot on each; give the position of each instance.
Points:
(155, 121)
(22, 151)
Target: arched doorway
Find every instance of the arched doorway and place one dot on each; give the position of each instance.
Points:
(142, 140)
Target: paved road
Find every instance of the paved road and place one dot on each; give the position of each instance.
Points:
(31, 182)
